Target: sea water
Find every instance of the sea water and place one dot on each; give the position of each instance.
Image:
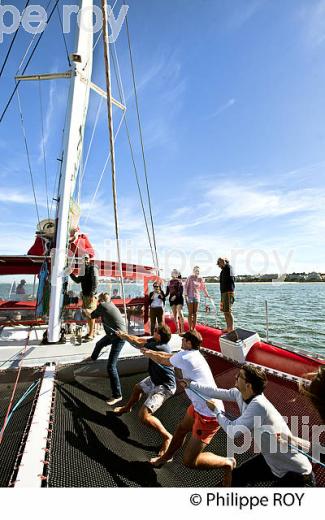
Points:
(296, 311)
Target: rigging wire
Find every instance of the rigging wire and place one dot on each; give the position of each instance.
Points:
(43, 150)
(64, 38)
(27, 153)
(91, 139)
(111, 142)
(11, 44)
(30, 44)
(141, 140)
(28, 62)
(103, 171)
(122, 99)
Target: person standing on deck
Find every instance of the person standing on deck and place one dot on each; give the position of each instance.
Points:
(286, 468)
(227, 290)
(89, 284)
(20, 289)
(112, 319)
(157, 303)
(176, 300)
(193, 286)
(157, 387)
(199, 420)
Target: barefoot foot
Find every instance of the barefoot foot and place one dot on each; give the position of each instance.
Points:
(164, 446)
(230, 464)
(157, 462)
(120, 410)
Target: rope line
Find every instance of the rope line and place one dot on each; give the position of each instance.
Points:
(23, 397)
(43, 150)
(103, 171)
(122, 99)
(141, 140)
(91, 140)
(28, 156)
(11, 44)
(15, 387)
(64, 38)
(229, 416)
(111, 141)
(28, 62)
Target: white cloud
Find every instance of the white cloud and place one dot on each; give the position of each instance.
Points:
(242, 12)
(313, 20)
(222, 108)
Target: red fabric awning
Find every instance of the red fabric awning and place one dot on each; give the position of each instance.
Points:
(32, 264)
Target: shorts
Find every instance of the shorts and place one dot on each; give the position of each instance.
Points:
(156, 395)
(88, 304)
(179, 300)
(193, 300)
(227, 300)
(204, 428)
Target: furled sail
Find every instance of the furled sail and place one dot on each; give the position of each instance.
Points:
(74, 134)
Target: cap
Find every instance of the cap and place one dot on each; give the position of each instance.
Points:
(193, 336)
(23, 281)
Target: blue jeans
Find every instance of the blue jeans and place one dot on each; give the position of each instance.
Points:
(117, 345)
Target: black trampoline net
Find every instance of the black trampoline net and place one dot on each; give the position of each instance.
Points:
(16, 431)
(92, 447)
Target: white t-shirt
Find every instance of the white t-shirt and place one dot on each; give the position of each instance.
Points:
(194, 367)
(156, 302)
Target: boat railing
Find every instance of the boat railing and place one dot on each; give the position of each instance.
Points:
(284, 346)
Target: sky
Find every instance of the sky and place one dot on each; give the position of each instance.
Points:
(232, 105)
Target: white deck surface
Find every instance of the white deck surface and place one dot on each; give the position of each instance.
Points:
(12, 347)
(31, 466)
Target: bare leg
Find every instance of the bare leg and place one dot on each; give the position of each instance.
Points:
(229, 321)
(135, 397)
(91, 327)
(177, 441)
(190, 314)
(181, 317)
(174, 309)
(195, 457)
(195, 307)
(153, 422)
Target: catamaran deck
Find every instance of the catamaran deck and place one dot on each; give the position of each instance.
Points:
(88, 446)
(14, 354)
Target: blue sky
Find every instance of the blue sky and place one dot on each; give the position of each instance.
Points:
(232, 104)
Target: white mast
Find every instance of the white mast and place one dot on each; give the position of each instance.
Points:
(74, 132)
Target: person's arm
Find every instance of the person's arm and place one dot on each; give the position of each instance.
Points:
(186, 287)
(285, 438)
(204, 289)
(139, 342)
(215, 392)
(167, 291)
(159, 357)
(234, 428)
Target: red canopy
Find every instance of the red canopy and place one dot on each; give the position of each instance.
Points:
(31, 265)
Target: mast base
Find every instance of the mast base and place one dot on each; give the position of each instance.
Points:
(62, 339)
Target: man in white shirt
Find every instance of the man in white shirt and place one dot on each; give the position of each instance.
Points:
(198, 418)
(285, 467)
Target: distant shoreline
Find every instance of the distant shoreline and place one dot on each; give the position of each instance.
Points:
(271, 283)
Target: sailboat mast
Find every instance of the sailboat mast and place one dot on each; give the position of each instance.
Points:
(74, 132)
(111, 142)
